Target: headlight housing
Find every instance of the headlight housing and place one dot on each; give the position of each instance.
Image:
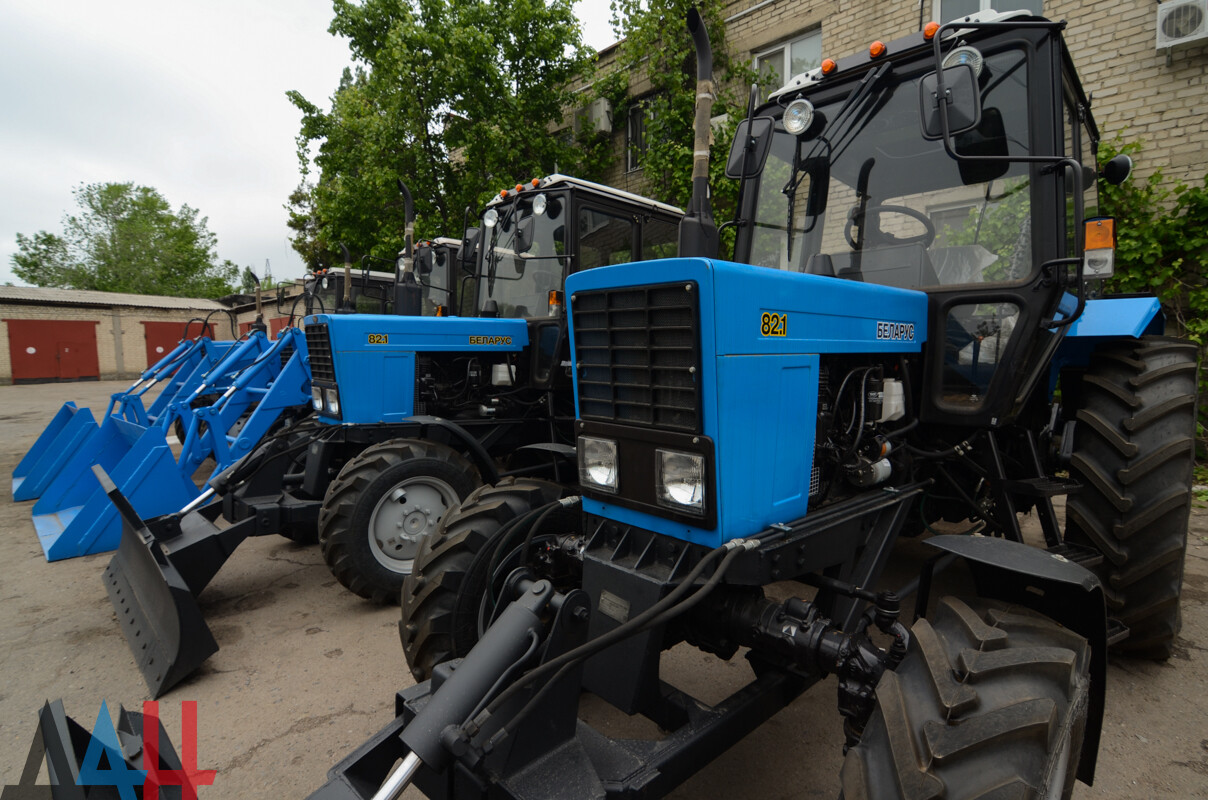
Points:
(798, 116)
(333, 400)
(598, 463)
(316, 397)
(680, 480)
(965, 55)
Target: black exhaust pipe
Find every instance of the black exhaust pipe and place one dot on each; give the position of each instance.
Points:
(698, 232)
(408, 295)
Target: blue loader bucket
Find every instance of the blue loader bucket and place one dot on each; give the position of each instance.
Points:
(75, 516)
(69, 429)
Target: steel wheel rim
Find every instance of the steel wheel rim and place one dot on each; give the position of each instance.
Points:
(408, 512)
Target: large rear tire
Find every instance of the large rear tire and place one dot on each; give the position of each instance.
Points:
(442, 596)
(380, 508)
(989, 702)
(1134, 447)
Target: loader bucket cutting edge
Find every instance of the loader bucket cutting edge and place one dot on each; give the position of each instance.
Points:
(159, 616)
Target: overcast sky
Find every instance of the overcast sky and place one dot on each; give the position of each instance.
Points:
(185, 96)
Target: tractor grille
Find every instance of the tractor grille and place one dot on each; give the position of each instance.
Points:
(637, 352)
(287, 353)
(318, 346)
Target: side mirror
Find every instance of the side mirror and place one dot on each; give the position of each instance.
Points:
(524, 235)
(423, 261)
(469, 248)
(1117, 170)
(961, 98)
(752, 141)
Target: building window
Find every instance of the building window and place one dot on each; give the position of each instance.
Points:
(947, 10)
(787, 59)
(635, 135)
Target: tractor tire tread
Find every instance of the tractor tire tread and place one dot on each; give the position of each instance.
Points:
(340, 539)
(1025, 696)
(1134, 448)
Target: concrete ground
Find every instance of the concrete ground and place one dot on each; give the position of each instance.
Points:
(307, 671)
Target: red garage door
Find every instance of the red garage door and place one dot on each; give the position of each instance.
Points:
(45, 350)
(274, 326)
(162, 337)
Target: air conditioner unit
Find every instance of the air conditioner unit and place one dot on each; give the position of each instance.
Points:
(595, 117)
(1182, 21)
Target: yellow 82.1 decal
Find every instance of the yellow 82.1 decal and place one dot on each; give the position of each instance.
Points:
(773, 324)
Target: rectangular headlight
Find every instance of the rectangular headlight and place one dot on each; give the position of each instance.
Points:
(316, 397)
(598, 463)
(333, 400)
(680, 480)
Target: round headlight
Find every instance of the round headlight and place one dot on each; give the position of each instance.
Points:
(798, 116)
(965, 55)
(539, 205)
(490, 218)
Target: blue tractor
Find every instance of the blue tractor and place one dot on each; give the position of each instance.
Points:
(911, 330)
(410, 413)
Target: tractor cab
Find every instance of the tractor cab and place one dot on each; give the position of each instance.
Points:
(854, 170)
(532, 237)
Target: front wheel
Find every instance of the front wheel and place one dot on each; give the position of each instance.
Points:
(382, 505)
(442, 599)
(990, 701)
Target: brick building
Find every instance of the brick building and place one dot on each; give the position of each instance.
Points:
(66, 334)
(1137, 90)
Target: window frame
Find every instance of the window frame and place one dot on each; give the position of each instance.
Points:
(635, 142)
(982, 5)
(785, 46)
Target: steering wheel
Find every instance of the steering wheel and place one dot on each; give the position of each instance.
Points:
(874, 236)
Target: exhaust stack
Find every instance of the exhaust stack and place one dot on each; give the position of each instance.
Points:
(408, 295)
(698, 232)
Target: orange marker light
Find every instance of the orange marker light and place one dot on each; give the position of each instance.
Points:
(503, 192)
(877, 49)
(441, 311)
(930, 29)
(520, 187)
(1100, 234)
(535, 182)
(829, 66)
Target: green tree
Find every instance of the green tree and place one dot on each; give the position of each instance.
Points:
(456, 97)
(126, 238)
(656, 50)
(1162, 248)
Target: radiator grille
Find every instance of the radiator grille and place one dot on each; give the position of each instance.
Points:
(287, 352)
(637, 351)
(318, 346)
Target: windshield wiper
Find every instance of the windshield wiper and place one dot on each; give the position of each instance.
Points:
(853, 100)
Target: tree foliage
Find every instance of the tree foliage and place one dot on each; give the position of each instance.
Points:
(458, 98)
(656, 71)
(1162, 248)
(126, 238)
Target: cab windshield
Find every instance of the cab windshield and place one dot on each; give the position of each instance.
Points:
(523, 255)
(863, 195)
